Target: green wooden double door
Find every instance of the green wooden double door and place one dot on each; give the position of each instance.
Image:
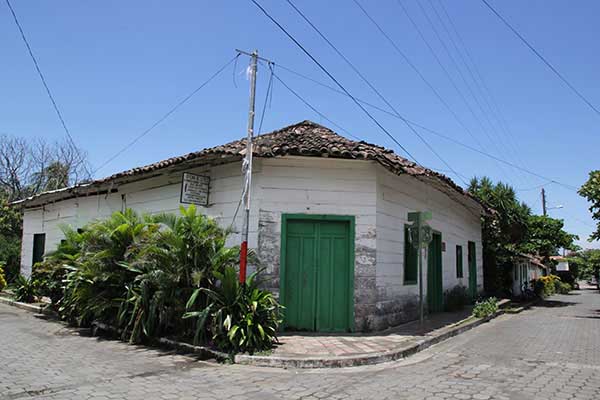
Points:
(318, 272)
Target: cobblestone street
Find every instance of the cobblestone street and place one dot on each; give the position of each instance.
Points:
(549, 352)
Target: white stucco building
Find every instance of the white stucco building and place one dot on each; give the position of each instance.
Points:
(526, 268)
(328, 222)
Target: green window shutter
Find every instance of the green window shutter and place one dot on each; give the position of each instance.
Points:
(459, 262)
(411, 256)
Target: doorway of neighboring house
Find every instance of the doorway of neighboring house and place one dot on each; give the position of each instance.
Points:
(472, 258)
(39, 245)
(317, 272)
(435, 289)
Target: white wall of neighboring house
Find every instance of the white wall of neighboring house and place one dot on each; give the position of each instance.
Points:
(562, 266)
(524, 271)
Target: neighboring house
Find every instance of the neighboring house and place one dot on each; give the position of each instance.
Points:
(328, 222)
(525, 269)
(562, 263)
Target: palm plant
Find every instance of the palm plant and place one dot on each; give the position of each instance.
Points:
(96, 282)
(24, 289)
(184, 253)
(242, 316)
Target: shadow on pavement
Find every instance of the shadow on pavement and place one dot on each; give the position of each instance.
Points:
(555, 303)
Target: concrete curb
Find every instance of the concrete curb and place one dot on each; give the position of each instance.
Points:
(204, 353)
(36, 308)
(366, 359)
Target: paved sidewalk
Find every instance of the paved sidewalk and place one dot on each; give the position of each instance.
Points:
(309, 345)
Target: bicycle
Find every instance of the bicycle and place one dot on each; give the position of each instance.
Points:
(527, 294)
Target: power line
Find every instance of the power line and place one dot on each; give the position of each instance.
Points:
(41, 75)
(313, 108)
(371, 86)
(306, 103)
(432, 131)
(494, 131)
(166, 115)
(464, 80)
(541, 57)
(414, 67)
(447, 74)
(533, 188)
(289, 35)
(268, 95)
(494, 108)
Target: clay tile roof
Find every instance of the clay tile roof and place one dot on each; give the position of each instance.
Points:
(305, 138)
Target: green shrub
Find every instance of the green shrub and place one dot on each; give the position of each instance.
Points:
(24, 290)
(562, 287)
(168, 265)
(143, 273)
(456, 298)
(546, 285)
(242, 317)
(2, 278)
(95, 281)
(485, 308)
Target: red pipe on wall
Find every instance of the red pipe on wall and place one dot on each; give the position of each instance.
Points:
(243, 261)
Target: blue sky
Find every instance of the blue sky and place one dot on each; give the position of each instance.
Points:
(116, 67)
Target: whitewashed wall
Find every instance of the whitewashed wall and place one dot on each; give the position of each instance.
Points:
(301, 185)
(154, 195)
(524, 271)
(379, 200)
(396, 197)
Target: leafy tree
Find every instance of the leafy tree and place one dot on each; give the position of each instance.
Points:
(54, 176)
(10, 238)
(503, 230)
(585, 264)
(591, 191)
(545, 236)
(28, 168)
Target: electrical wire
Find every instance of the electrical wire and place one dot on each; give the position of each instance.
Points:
(432, 131)
(305, 51)
(448, 76)
(416, 69)
(355, 69)
(268, 95)
(495, 133)
(483, 88)
(542, 58)
(306, 103)
(313, 108)
(166, 115)
(41, 75)
(464, 80)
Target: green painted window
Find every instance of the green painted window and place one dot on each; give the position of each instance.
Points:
(39, 247)
(459, 262)
(411, 260)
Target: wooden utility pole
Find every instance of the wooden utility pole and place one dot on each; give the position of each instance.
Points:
(545, 212)
(247, 168)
